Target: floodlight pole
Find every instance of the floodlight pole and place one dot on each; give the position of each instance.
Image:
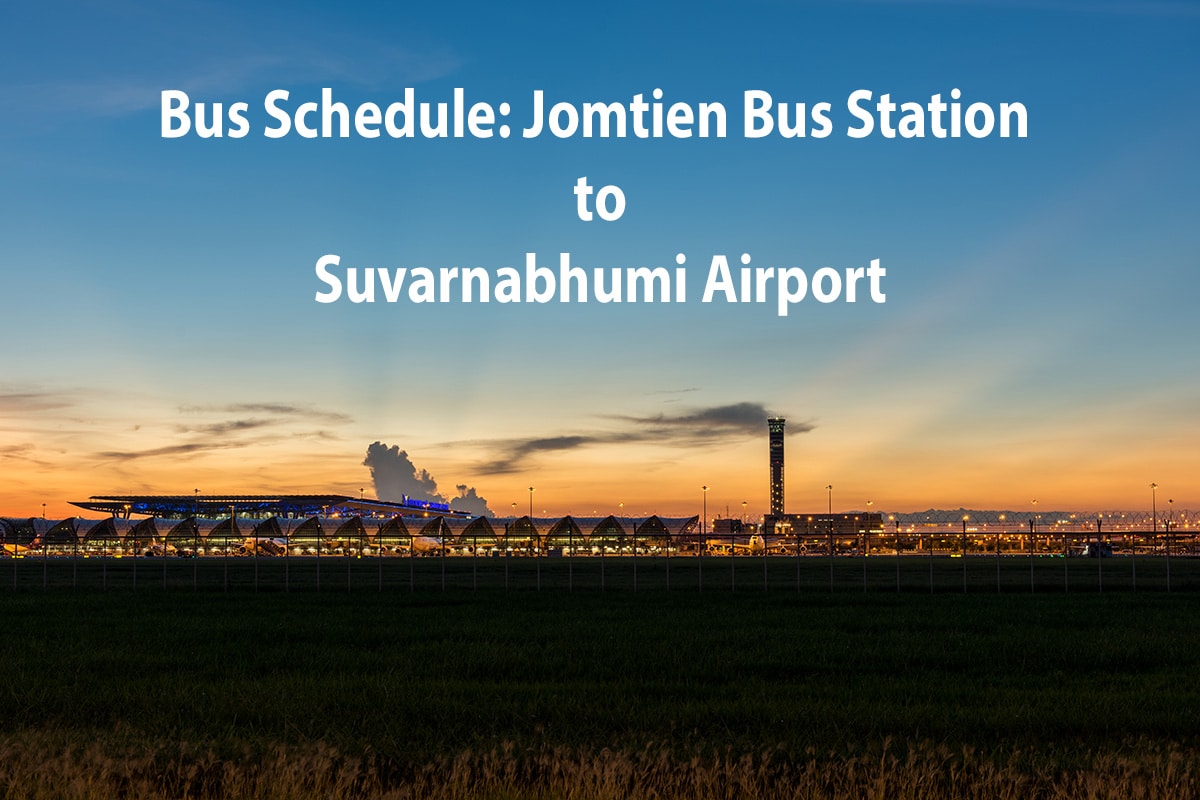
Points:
(134, 550)
(896, 542)
(866, 542)
(999, 532)
(829, 523)
(1032, 535)
(195, 540)
(1170, 519)
(621, 511)
(537, 549)
(232, 514)
(320, 536)
(700, 541)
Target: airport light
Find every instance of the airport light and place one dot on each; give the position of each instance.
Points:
(700, 542)
(866, 542)
(1032, 533)
(1170, 519)
(1170, 522)
(1154, 507)
(964, 550)
(896, 533)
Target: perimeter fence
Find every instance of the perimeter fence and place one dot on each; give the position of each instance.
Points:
(930, 561)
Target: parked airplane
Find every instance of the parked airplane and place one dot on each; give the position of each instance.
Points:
(263, 546)
(428, 544)
(756, 545)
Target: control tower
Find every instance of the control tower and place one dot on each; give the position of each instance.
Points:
(775, 452)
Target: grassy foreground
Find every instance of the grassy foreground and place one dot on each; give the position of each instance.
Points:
(491, 694)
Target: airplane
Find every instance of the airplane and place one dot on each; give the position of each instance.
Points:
(19, 550)
(262, 545)
(755, 546)
(428, 544)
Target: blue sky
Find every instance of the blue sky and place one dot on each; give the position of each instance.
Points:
(1038, 338)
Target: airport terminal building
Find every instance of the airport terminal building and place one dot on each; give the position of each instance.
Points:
(318, 524)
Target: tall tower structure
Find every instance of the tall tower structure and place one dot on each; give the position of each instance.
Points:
(775, 452)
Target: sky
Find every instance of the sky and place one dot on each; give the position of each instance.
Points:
(1038, 339)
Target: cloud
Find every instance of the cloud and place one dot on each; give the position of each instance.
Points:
(699, 426)
(272, 422)
(396, 477)
(468, 500)
(226, 428)
(709, 424)
(191, 448)
(26, 402)
(271, 409)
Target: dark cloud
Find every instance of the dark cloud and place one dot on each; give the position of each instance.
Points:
(226, 428)
(190, 448)
(468, 500)
(396, 477)
(705, 423)
(700, 426)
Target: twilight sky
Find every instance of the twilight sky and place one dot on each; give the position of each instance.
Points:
(1039, 338)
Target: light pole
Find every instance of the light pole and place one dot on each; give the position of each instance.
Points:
(195, 540)
(232, 515)
(533, 529)
(964, 550)
(621, 511)
(134, 550)
(999, 531)
(700, 542)
(1032, 534)
(1153, 517)
(829, 528)
(536, 538)
(1153, 508)
(896, 542)
(507, 546)
(866, 542)
(1170, 519)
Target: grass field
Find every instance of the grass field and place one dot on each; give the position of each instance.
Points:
(583, 693)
